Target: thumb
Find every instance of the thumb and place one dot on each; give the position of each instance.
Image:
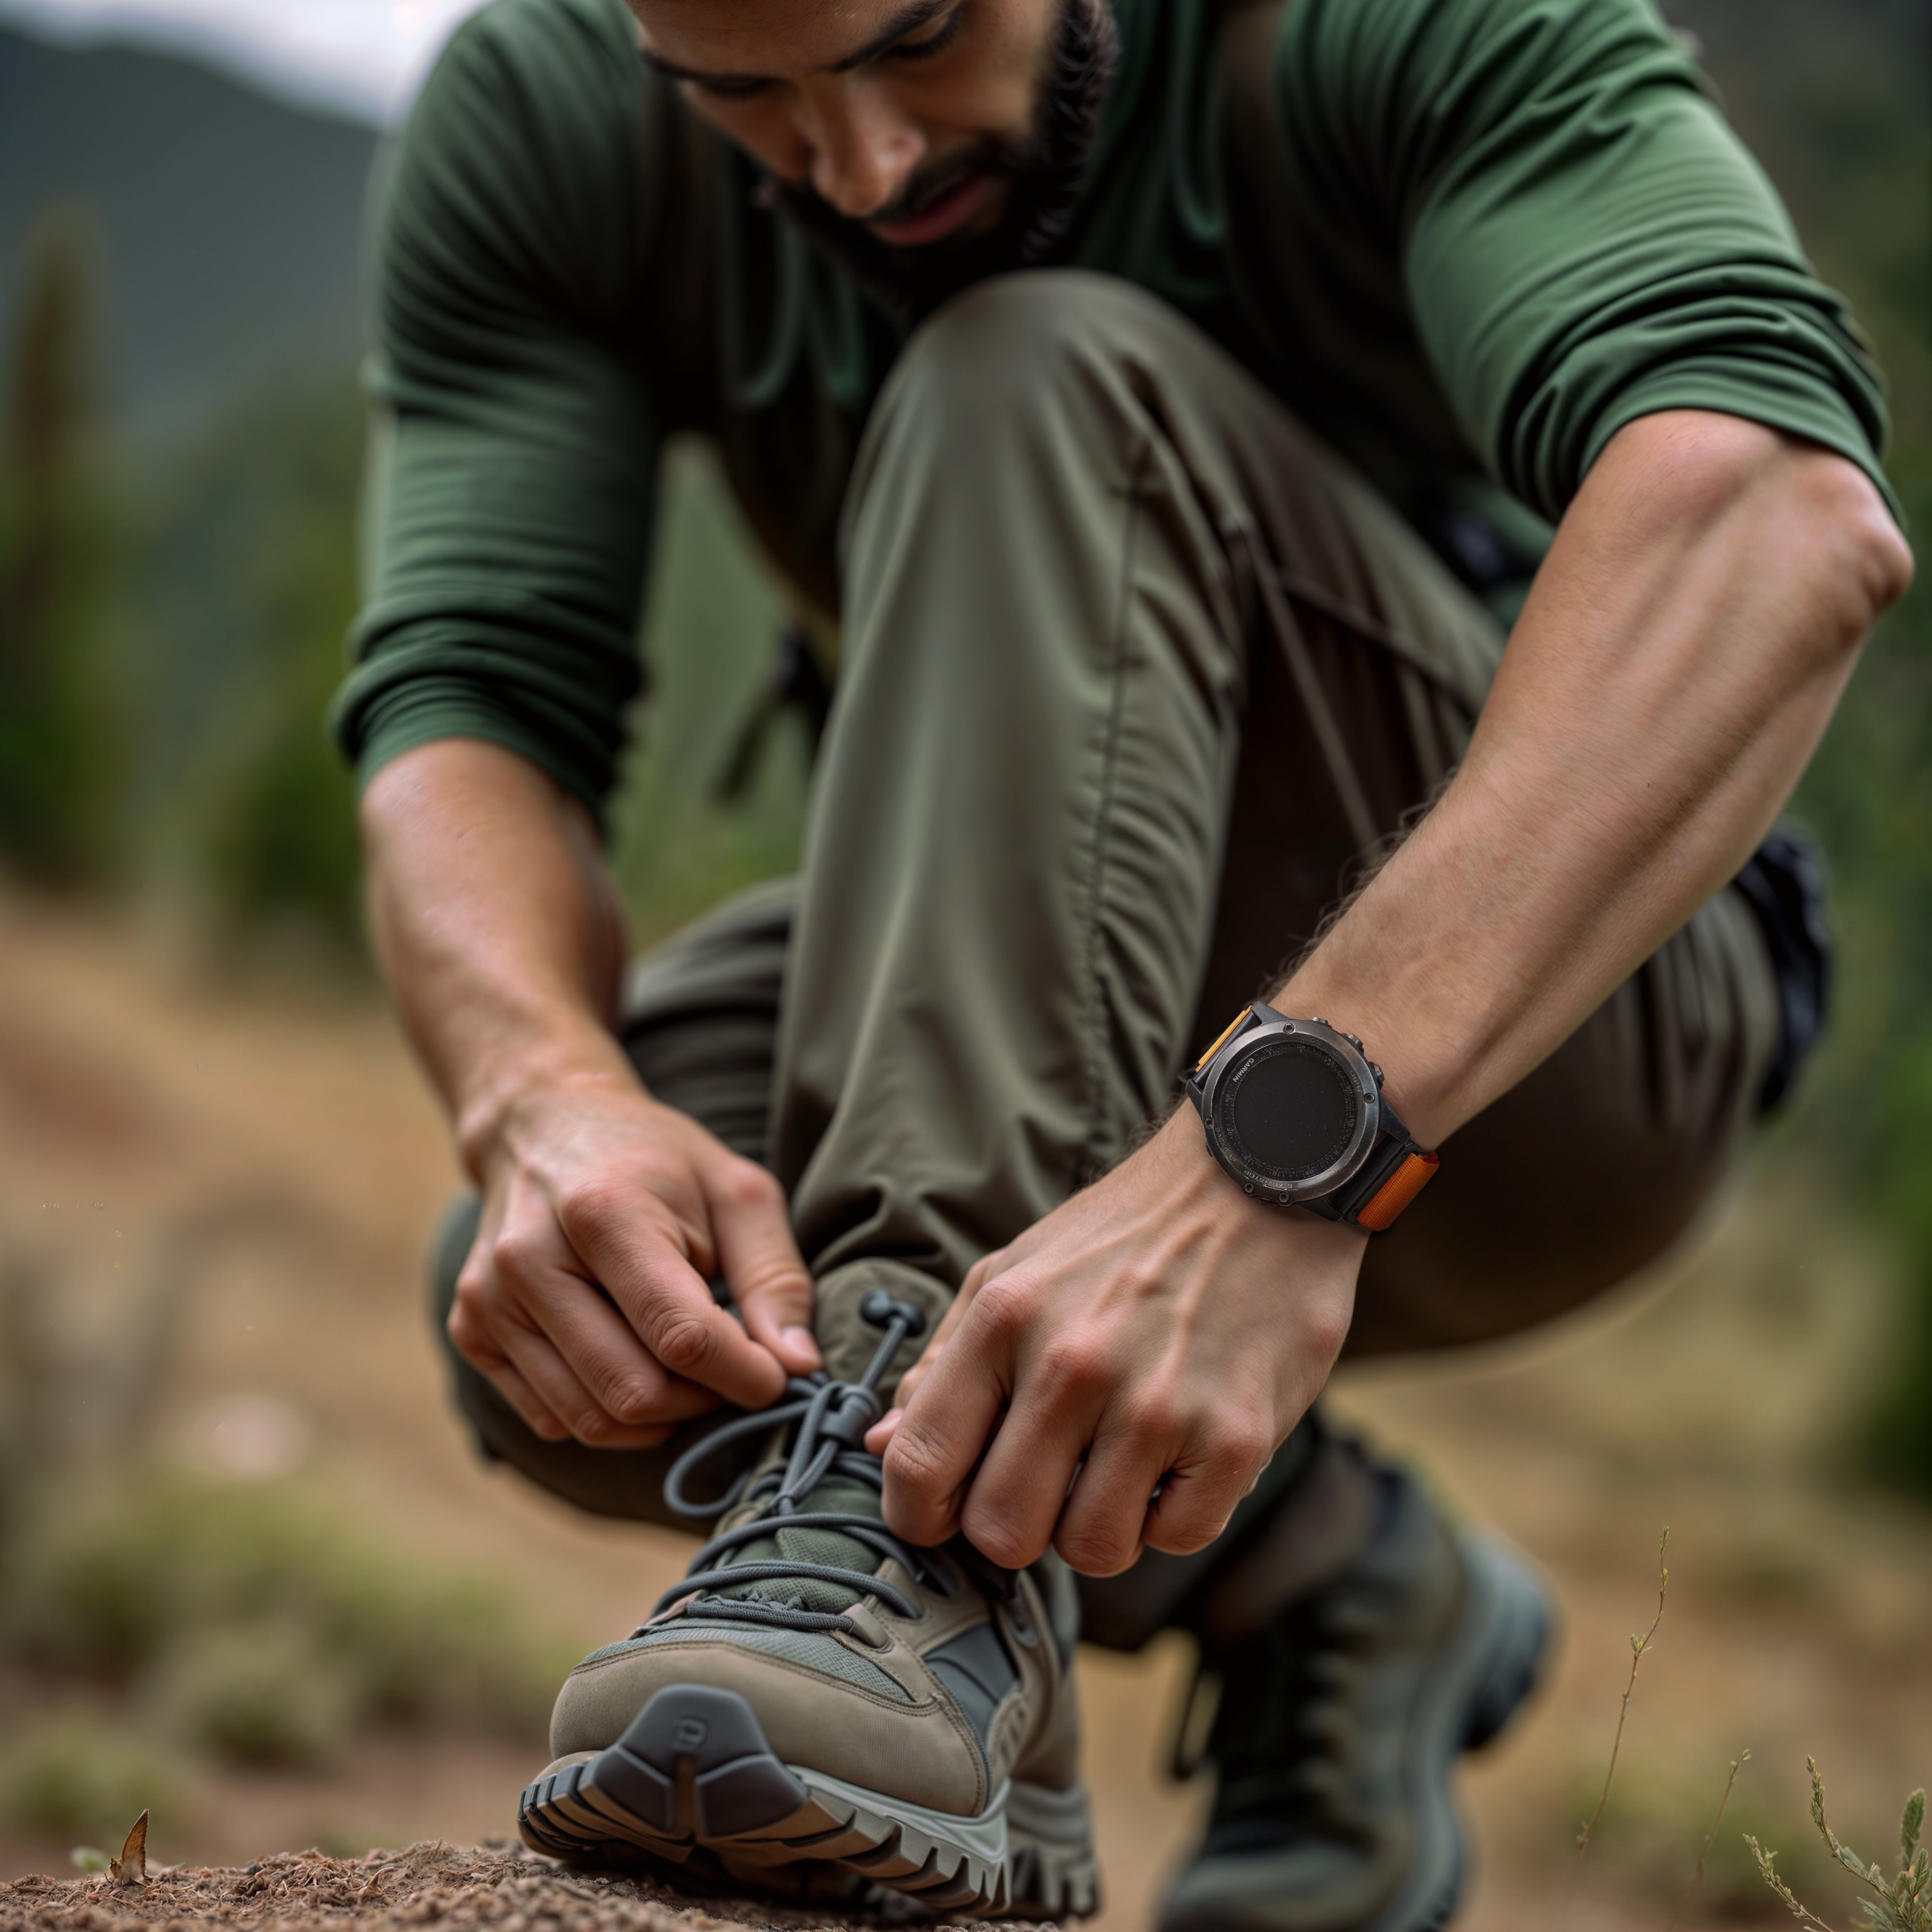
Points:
(883, 1431)
(771, 1287)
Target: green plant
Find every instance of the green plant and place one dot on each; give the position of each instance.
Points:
(70, 1774)
(130, 1585)
(1901, 1903)
(266, 1694)
(58, 756)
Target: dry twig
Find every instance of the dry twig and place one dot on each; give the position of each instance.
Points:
(1638, 1644)
(1710, 1838)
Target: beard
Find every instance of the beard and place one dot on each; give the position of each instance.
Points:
(1046, 169)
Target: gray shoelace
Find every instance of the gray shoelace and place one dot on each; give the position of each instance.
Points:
(831, 1418)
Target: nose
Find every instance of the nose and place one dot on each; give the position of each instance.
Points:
(863, 151)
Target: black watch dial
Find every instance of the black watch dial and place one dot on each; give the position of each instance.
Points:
(1289, 1110)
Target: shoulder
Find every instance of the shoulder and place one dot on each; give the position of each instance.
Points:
(543, 51)
(1399, 71)
(521, 155)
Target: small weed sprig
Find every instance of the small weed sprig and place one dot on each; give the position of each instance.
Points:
(1638, 1644)
(1742, 1758)
(1903, 1903)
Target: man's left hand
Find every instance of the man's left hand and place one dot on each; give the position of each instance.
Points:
(1117, 1378)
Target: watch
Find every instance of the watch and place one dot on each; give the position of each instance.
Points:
(1294, 1111)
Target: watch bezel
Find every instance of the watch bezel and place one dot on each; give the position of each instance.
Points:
(1357, 1075)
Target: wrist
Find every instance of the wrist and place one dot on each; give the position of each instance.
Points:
(518, 1090)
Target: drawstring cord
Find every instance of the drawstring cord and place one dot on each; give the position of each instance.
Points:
(832, 1417)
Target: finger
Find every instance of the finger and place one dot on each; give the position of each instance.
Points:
(471, 1334)
(1103, 1522)
(558, 1386)
(939, 1439)
(881, 1432)
(770, 1284)
(489, 1362)
(539, 1417)
(1198, 1495)
(1014, 1503)
(634, 1389)
(668, 1303)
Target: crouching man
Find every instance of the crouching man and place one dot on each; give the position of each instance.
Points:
(1254, 453)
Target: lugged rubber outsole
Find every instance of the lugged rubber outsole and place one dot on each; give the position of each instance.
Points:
(693, 1783)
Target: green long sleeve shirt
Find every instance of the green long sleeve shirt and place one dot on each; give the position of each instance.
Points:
(1467, 240)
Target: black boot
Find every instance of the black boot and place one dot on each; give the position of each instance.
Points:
(1397, 1644)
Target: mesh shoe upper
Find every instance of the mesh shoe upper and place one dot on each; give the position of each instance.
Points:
(928, 1674)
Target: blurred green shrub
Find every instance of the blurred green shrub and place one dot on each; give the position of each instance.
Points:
(60, 750)
(269, 1694)
(267, 1629)
(70, 1774)
(247, 579)
(1900, 1900)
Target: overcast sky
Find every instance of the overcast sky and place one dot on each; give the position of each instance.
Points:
(362, 57)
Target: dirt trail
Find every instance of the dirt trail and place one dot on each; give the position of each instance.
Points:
(272, 1163)
(434, 1883)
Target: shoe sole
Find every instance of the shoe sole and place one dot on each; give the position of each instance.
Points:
(694, 1775)
(1486, 1677)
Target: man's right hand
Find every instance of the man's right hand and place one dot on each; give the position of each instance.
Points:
(585, 1296)
(605, 1215)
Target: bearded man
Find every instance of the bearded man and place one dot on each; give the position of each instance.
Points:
(1351, 515)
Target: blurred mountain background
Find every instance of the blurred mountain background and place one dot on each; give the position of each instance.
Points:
(180, 442)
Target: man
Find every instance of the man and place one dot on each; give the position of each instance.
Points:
(1172, 402)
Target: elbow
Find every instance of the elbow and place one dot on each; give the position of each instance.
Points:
(1867, 563)
(1884, 565)
(1812, 517)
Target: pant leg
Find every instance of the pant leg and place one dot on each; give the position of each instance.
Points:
(1064, 680)
(1024, 908)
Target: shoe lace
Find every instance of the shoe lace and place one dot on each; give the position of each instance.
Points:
(831, 1419)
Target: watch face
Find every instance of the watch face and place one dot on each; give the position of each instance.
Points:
(1289, 1110)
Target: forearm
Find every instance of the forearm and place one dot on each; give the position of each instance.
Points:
(1679, 657)
(495, 924)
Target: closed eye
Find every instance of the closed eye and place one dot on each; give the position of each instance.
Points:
(727, 87)
(941, 37)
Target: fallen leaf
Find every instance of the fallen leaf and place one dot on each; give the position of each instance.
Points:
(130, 1868)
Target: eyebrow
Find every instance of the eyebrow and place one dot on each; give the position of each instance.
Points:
(908, 19)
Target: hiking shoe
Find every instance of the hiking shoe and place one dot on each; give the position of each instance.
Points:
(1339, 1722)
(819, 1706)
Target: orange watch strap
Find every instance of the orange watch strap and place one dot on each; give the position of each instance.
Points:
(1378, 1212)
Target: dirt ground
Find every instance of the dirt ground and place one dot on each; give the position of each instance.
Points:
(452, 1885)
(266, 1165)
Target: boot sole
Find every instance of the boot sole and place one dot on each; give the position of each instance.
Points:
(693, 1784)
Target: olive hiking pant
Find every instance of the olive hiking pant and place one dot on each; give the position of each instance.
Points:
(1135, 671)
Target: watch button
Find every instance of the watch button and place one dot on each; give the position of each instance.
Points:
(1316, 1019)
(1376, 1071)
(1353, 1041)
